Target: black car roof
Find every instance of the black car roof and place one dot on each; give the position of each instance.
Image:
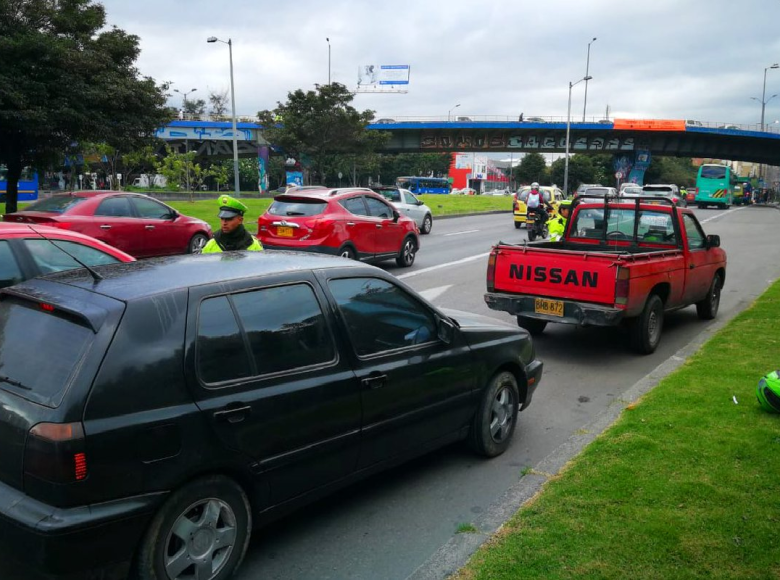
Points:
(133, 280)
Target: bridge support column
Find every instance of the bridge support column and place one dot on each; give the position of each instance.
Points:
(262, 168)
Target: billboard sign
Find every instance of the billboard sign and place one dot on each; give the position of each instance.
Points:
(383, 75)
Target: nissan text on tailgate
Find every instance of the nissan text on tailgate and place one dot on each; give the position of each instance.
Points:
(618, 263)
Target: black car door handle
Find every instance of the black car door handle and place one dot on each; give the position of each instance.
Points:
(233, 414)
(374, 381)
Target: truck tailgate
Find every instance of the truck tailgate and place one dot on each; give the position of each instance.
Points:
(573, 275)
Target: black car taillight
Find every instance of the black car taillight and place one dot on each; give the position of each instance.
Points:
(55, 452)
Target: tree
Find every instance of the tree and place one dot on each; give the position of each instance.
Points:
(137, 162)
(677, 170)
(532, 168)
(218, 102)
(66, 77)
(195, 108)
(581, 170)
(320, 125)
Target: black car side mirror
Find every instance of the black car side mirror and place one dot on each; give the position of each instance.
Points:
(419, 202)
(445, 330)
(172, 215)
(396, 215)
(713, 241)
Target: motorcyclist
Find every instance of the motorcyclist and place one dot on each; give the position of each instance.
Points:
(556, 226)
(537, 204)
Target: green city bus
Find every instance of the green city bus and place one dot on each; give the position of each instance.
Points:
(715, 186)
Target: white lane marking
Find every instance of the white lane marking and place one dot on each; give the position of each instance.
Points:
(440, 266)
(709, 219)
(459, 233)
(432, 294)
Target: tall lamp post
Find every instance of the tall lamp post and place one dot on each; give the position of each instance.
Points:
(328, 41)
(233, 105)
(568, 129)
(451, 110)
(763, 102)
(587, 72)
(184, 94)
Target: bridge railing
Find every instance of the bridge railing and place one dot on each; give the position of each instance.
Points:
(531, 119)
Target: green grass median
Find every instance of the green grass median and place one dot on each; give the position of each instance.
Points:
(686, 484)
(440, 205)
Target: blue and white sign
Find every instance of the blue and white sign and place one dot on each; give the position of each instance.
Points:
(385, 74)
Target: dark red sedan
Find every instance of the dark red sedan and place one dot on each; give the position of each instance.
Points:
(135, 223)
(28, 250)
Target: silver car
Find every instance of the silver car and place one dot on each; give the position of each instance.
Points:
(406, 203)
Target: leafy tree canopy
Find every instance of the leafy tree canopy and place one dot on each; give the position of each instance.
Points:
(532, 168)
(65, 76)
(320, 125)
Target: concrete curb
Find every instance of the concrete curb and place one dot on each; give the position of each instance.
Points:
(453, 555)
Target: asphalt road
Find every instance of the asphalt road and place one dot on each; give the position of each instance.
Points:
(386, 527)
(389, 525)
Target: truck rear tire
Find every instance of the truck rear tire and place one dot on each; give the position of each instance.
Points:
(646, 329)
(707, 309)
(532, 325)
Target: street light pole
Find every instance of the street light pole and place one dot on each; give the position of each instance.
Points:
(229, 42)
(763, 95)
(451, 110)
(328, 41)
(587, 69)
(186, 141)
(568, 129)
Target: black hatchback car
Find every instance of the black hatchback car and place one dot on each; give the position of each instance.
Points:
(156, 411)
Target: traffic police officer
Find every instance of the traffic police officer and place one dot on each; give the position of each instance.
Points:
(232, 234)
(556, 226)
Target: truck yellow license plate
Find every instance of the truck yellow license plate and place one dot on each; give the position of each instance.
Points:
(284, 232)
(551, 307)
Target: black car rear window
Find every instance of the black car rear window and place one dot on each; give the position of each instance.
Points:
(56, 345)
(298, 207)
(55, 203)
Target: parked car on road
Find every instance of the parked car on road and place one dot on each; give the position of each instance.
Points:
(353, 222)
(405, 202)
(134, 223)
(28, 250)
(158, 414)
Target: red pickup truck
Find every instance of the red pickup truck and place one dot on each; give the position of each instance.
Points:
(619, 262)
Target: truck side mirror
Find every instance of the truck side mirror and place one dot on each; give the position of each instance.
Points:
(713, 241)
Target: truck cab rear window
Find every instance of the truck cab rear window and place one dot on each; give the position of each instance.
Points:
(60, 344)
(654, 227)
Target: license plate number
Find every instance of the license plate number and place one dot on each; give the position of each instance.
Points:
(551, 307)
(284, 232)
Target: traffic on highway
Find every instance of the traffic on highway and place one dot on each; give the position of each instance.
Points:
(653, 256)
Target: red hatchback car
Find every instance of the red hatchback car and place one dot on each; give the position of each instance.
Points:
(351, 222)
(27, 251)
(135, 223)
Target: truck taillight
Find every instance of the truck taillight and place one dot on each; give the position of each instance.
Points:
(55, 452)
(491, 272)
(621, 287)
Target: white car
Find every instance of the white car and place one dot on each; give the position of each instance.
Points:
(406, 203)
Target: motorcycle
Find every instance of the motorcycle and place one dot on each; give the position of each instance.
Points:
(537, 225)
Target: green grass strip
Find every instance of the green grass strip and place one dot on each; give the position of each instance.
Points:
(686, 484)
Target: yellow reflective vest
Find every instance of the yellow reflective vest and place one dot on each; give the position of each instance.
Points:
(212, 247)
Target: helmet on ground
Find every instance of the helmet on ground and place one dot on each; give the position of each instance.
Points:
(768, 392)
(534, 185)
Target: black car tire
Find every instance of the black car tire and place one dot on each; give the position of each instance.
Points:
(707, 309)
(646, 329)
(518, 225)
(214, 498)
(197, 242)
(496, 417)
(533, 325)
(407, 254)
(427, 224)
(347, 252)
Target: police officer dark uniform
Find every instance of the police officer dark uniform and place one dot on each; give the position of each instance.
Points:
(232, 234)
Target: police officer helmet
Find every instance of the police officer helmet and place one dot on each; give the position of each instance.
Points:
(534, 185)
(768, 392)
(230, 207)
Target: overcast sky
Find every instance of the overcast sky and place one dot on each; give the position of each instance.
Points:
(665, 59)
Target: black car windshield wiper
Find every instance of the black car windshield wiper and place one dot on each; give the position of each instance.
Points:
(295, 213)
(13, 382)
